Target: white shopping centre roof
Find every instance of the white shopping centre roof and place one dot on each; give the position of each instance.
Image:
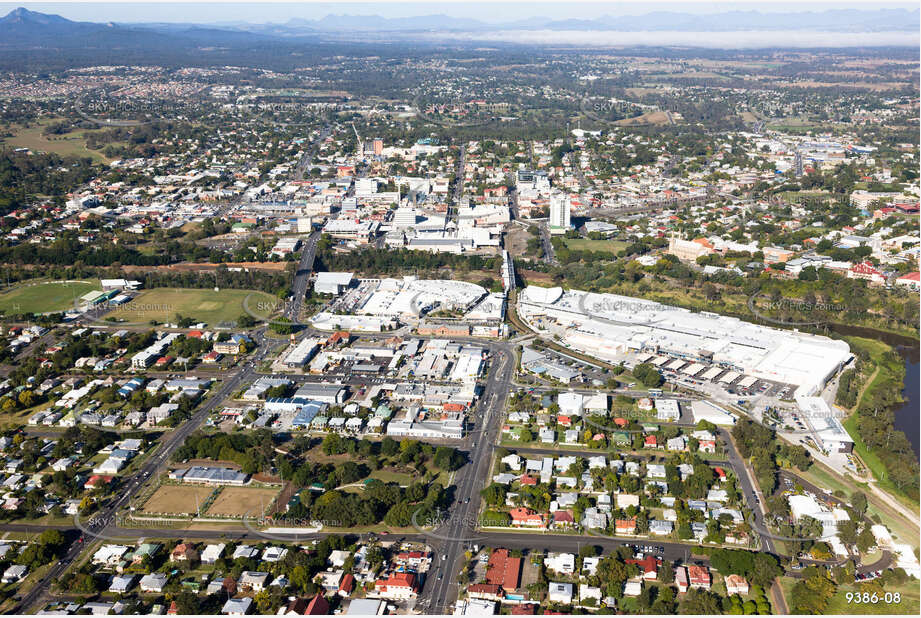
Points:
(748, 381)
(622, 322)
(693, 370)
(711, 373)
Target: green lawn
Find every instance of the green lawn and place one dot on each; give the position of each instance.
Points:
(909, 601)
(164, 304)
(68, 144)
(587, 244)
(390, 476)
(45, 297)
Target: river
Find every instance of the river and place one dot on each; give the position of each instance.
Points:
(908, 415)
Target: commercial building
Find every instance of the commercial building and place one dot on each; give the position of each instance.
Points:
(332, 394)
(609, 326)
(560, 206)
(807, 506)
(301, 353)
(710, 412)
(332, 282)
(208, 475)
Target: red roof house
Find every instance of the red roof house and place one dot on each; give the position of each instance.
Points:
(318, 606)
(522, 516)
(648, 565)
(397, 586)
(625, 526)
(503, 569)
(346, 585)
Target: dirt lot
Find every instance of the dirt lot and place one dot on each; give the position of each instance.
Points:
(242, 500)
(516, 240)
(177, 499)
(533, 276)
(647, 118)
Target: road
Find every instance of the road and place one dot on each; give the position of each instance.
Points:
(460, 527)
(311, 151)
(575, 162)
(549, 255)
(458, 182)
(302, 277)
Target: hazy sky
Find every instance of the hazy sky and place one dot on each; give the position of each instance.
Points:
(257, 12)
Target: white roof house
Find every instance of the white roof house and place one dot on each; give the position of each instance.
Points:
(562, 563)
(212, 553)
(153, 582)
(559, 592)
(237, 607)
(667, 410)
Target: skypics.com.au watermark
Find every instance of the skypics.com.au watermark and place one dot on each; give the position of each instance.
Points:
(127, 313)
(445, 526)
(133, 111)
(793, 312)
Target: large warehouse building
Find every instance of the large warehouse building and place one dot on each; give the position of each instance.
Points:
(607, 325)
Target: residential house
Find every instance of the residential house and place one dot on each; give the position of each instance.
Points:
(736, 584)
(154, 582)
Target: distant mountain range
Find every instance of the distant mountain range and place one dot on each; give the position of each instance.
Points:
(836, 20)
(24, 29)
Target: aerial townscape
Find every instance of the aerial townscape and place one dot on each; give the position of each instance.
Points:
(518, 308)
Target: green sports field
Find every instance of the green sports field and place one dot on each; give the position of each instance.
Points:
(213, 308)
(45, 297)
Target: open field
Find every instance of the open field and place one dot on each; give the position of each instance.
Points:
(647, 118)
(164, 304)
(177, 499)
(873, 86)
(389, 475)
(45, 297)
(748, 117)
(587, 244)
(238, 501)
(69, 144)
(534, 277)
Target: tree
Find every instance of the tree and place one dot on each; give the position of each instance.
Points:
(389, 447)
(26, 398)
(700, 602)
(264, 602)
(494, 494)
(859, 502)
(187, 603)
(282, 326)
(648, 375)
(246, 321)
(448, 458)
(865, 540)
(666, 573)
